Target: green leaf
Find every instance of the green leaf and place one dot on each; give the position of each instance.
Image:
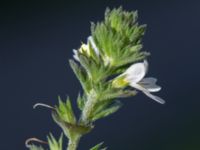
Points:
(98, 147)
(34, 147)
(107, 111)
(81, 101)
(65, 111)
(80, 74)
(64, 125)
(54, 144)
(71, 130)
(96, 71)
(132, 58)
(108, 92)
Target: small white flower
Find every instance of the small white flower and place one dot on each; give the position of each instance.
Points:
(83, 49)
(86, 49)
(134, 75)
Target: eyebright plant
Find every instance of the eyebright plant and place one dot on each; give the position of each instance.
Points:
(110, 66)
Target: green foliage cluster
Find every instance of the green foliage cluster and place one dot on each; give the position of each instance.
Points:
(113, 46)
(119, 37)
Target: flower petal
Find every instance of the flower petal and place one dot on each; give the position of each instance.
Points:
(91, 40)
(152, 87)
(76, 55)
(149, 80)
(147, 93)
(150, 84)
(154, 97)
(135, 72)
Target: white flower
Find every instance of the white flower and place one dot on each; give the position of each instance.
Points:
(134, 75)
(85, 48)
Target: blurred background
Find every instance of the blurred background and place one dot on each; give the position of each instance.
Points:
(36, 41)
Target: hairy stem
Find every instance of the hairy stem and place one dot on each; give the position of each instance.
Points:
(73, 143)
(85, 119)
(88, 108)
(87, 111)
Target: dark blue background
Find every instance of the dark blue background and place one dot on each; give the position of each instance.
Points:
(36, 41)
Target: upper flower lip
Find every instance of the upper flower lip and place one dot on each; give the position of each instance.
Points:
(134, 75)
(135, 72)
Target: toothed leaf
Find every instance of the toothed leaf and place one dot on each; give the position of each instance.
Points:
(34, 147)
(98, 147)
(54, 144)
(65, 111)
(107, 111)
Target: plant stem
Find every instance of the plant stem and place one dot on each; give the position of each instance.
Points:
(85, 119)
(88, 109)
(73, 143)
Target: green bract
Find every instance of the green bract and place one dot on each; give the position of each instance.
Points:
(98, 147)
(34, 147)
(54, 144)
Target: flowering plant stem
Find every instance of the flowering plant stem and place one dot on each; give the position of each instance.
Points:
(110, 66)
